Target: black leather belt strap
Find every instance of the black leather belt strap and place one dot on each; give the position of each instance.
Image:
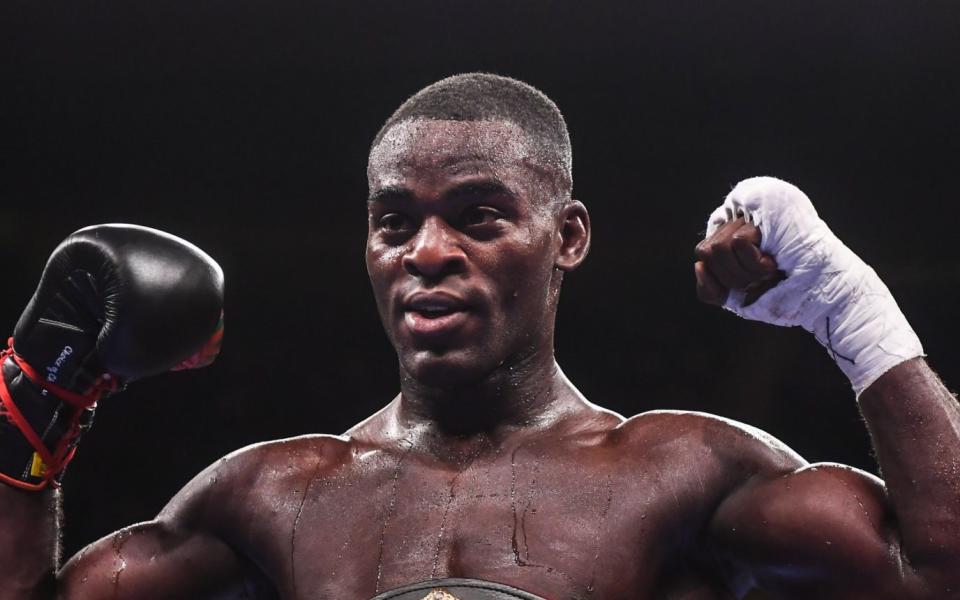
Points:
(456, 589)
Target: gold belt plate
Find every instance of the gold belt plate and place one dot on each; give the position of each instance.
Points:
(439, 595)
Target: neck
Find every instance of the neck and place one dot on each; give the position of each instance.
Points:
(530, 394)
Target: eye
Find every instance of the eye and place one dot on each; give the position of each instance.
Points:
(481, 215)
(394, 222)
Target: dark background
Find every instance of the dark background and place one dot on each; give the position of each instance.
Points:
(244, 126)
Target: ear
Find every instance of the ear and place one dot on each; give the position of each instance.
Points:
(574, 235)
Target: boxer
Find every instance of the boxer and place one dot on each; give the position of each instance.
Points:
(489, 475)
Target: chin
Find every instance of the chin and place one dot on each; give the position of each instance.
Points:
(444, 369)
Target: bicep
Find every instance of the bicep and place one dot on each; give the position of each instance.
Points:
(821, 527)
(153, 560)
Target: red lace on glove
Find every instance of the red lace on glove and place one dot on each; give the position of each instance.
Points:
(53, 462)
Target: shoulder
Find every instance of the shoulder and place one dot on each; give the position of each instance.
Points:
(690, 435)
(243, 482)
(280, 458)
(757, 473)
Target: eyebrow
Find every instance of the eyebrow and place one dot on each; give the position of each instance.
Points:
(390, 192)
(487, 187)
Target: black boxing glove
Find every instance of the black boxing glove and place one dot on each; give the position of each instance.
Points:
(115, 303)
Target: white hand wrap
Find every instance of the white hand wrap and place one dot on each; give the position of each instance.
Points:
(828, 290)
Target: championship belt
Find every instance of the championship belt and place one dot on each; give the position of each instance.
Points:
(456, 589)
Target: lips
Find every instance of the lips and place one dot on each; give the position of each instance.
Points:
(434, 314)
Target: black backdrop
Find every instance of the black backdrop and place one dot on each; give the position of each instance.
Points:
(244, 126)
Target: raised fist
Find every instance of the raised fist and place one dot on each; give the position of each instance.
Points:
(115, 303)
(768, 256)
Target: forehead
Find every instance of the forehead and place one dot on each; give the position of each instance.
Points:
(439, 149)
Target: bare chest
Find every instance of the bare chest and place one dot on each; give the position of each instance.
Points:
(560, 529)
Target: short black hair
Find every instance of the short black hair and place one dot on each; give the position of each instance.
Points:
(490, 97)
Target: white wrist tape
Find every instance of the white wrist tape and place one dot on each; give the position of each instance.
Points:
(828, 290)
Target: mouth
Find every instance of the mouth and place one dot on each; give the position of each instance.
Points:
(434, 314)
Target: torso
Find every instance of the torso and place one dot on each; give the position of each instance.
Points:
(608, 513)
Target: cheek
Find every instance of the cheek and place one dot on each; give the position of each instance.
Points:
(526, 283)
(381, 263)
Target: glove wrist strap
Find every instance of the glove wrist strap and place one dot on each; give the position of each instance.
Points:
(42, 423)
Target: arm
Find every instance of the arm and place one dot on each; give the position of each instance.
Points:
(174, 556)
(828, 531)
(158, 560)
(187, 551)
(29, 535)
(831, 531)
(914, 424)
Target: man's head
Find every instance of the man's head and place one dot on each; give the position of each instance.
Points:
(471, 226)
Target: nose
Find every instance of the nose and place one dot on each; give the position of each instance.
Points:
(434, 253)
